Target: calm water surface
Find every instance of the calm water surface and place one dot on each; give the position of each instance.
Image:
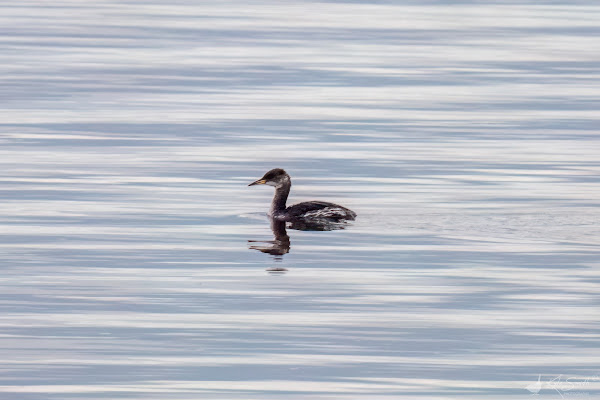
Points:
(465, 136)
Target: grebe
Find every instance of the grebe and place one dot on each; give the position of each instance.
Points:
(307, 211)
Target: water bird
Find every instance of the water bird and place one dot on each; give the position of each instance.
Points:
(308, 211)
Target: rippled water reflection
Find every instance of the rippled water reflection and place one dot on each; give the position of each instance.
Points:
(465, 136)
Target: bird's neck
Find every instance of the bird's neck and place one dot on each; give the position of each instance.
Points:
(280, 198)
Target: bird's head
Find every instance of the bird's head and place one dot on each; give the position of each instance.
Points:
(276, 177)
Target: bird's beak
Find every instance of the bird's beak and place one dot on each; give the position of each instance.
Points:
(258, 182)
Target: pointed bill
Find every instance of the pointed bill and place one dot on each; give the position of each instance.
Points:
(258, 182)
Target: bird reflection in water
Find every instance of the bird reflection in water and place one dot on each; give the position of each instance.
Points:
(280, 244)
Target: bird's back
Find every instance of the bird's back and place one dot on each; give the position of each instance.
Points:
(319, 210)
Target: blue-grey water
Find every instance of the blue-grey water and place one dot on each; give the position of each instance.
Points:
(465, 136)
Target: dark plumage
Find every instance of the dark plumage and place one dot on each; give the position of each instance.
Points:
(309, 210)
(320, 209)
